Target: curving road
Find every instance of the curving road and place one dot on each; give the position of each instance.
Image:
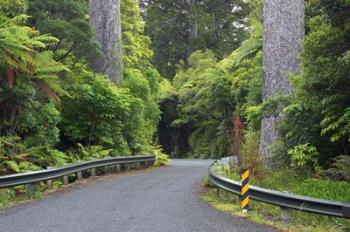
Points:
(166, 199)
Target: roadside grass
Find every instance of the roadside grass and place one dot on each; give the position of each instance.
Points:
(293, 183)
(265, 214)
(18, 195)
(290, 181)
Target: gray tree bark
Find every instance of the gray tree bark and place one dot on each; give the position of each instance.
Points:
(283, 36)
(106, 19)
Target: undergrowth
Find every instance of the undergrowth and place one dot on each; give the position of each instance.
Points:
(265, 214)
(288, 181)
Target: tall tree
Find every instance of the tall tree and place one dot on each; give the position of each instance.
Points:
(67, 21)
(136, 45)
(105, 18)
(178, 28)
(283, 35)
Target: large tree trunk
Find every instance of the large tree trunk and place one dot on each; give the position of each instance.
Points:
(283, 35)
(191, 34)
(105, 18)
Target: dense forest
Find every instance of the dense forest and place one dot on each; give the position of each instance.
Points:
(183, 76)
(54, 107)
(217, 104)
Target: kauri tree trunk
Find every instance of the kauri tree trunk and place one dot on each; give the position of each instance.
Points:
(283, 35)
(106, 19)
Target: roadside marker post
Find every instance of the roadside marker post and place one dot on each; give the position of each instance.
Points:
(245, 174)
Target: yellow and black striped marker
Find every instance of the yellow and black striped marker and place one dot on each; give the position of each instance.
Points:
(245, 173)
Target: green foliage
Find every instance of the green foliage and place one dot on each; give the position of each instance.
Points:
(94, 111)
(143, 123)
(279, 155)
(340, 169)
(49, 108)
(205, 103)
(31, 84)
(298, 184)
(20, 44)
(211, 93)
(304, 157)
(136, 45)
(67, 20)
(36, 121)
(179, 28)
(302, 221)
(97, 112)
(140, 78)
(250, 154)
(319, 112)
(12, 8)
(324, 189)
(161, 158)
(16, 157)
(87, 153)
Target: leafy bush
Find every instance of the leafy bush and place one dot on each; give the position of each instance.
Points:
(95, 112)
(87, 153)
(251, 157)
(162, 158)
(16, 157)
(304, 157)
(11, 8)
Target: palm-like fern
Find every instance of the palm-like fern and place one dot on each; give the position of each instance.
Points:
(22, 51)
(336, 120)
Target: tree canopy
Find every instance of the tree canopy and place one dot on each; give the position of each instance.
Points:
(193, 83)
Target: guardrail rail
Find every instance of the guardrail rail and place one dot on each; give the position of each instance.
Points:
(282, 199)
(30, 178)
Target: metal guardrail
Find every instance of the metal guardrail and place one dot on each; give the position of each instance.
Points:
(49, 174)
(282, 199)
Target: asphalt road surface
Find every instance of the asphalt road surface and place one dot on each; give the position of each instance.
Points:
(162, 200)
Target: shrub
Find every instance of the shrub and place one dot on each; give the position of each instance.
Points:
(304, 158)
(16, 157)
(251, 157)
(162, 158)
(97, 112)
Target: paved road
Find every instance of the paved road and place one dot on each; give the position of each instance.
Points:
(162, 200)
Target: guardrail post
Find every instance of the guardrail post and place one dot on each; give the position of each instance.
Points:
(118, 167)
(149, 163)
(79, 175)
(65, 180)
(346, 211)
(138, 166)
(93, 171)
(30, 189)
(49, 184)
(217, 192)
(245, 173)
(106, 169)
(286, 215)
